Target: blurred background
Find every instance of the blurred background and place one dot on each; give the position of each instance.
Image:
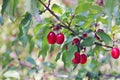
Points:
(22, 63)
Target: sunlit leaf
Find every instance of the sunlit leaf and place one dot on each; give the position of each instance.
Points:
(105, 37)
(56, 8)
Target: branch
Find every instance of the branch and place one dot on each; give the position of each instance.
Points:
(72, 17)
(52, 12)
(103, 45)
(40, 12)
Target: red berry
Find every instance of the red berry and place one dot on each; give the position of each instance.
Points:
(115, 53)
(66, 47)
(76, 59)
(77, 55)
(75, 41)
(83, 58)
(84, 34)
(60, 38)
(51, 37)
(101, 2)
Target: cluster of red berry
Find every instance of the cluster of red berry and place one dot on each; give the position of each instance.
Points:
(53, 38)
(79, 58)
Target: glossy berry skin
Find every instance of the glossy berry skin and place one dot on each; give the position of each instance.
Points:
(83, 58)
(84, 34)
(75, 41)
(115, 53)
(77, 55)
(76, 59)
(60, 38)
(51, 37)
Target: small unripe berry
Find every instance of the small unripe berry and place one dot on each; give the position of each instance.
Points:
(60, 38)
(115, 53)
(56, 28)
(51, 37)
(84, 34)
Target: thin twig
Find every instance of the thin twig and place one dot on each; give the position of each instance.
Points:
(72, 17)
(40, 12)
(52, 13)
(103, 45)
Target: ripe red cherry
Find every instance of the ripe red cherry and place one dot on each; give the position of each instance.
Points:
(60, 38)
(77, 55)
(75, 41)
(76, 59)
(51, 37)
(84, 34)
(83, 58)
(115, 53)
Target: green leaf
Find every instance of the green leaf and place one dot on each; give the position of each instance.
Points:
(89, 41)
(95, 9)
(83, 7)
(31, 43)
(101, 19)
(105, 37)
(24, 27)
(109, 6)
(11, 8)
(31, 60)
(50, 65)
(56, 8)
(24, 40)
(4, 5)
(58, 56)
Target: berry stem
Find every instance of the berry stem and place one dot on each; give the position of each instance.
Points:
(52, 12)
(103, 45)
